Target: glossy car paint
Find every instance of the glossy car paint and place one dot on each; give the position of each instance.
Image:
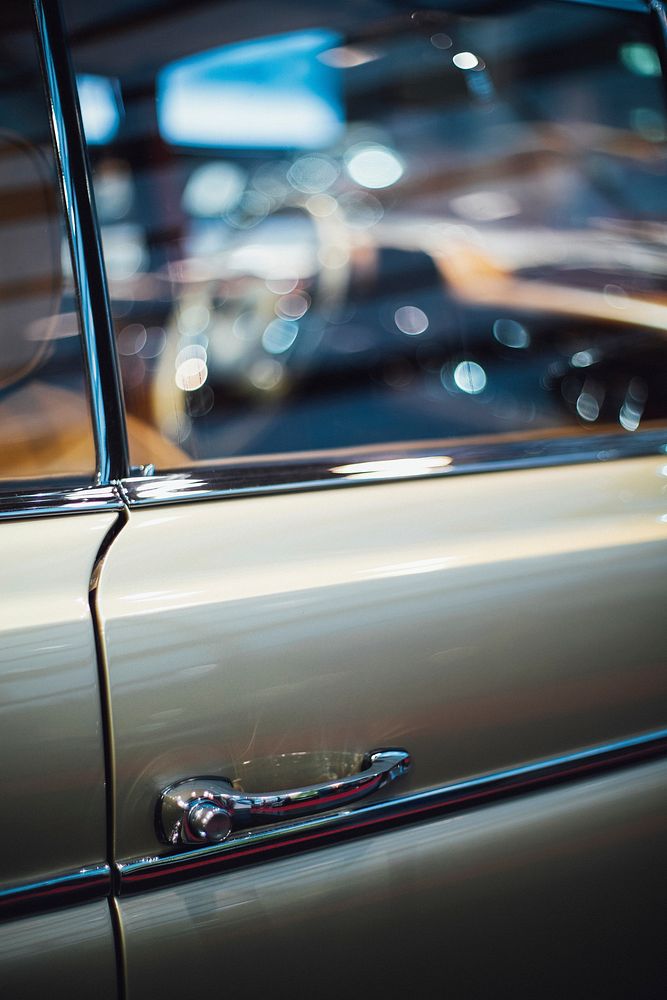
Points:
(496, 897)
(558, 894)
(53, 783)
(479, 622)
(69, 953)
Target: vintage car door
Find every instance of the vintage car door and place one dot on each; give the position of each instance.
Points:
(57, 514)
(389, 296)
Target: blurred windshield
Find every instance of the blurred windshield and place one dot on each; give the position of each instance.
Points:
(331, 225)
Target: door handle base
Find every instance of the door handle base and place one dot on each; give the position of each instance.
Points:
(207, 810)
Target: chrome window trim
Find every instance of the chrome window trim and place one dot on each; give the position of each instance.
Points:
(99, 349)
(294, 475)
(93, 882)
(264, 844)
(46, 502)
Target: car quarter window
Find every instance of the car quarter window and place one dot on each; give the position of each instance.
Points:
(338, 225)
(45, 424)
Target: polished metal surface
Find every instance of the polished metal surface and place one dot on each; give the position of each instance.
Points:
(265, 844)
(34, 502)
(60, 955)
(483, 624)
(387, 464)
(107, 408)
(61, 890)
(206, 810)
(203, 822)
(555, 894)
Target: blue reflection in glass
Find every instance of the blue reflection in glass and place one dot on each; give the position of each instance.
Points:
(100, 109)
(269, 93)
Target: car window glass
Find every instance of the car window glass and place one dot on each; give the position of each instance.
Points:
(45, 426)
(335, 225)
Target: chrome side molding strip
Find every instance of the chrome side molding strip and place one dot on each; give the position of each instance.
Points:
(263, 844)
(353, 467)
(33, 502)
(73, 887)
(142, 874)
(362, 466)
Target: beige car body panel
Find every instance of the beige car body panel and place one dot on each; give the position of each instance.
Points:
(552, 895)
(480, 622)
(69, 953)
(53, 761)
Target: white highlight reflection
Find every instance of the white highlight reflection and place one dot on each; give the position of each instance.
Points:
(191, 374)
(374, 166)
(279, 336)
(470, 377)
(394, 468)
(415, 568)
(465, 60)
(347, 57)
(411, 320)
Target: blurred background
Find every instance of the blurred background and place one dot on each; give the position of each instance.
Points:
(330, 225)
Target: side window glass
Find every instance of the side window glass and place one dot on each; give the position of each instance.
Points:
(45, 426)
(357, 224)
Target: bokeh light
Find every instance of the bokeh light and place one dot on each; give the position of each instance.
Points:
(374, 166)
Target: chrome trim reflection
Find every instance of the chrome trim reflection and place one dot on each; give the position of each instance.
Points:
(93, 882)
(395, 463)
(265, 843)
(106, 400)
(207, 810)
(33, 502)
(62, 151)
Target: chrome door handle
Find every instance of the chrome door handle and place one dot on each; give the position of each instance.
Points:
(207, 810)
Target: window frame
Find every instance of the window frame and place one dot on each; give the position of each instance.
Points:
(227, 478)
(117, 485)
(65, 495)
